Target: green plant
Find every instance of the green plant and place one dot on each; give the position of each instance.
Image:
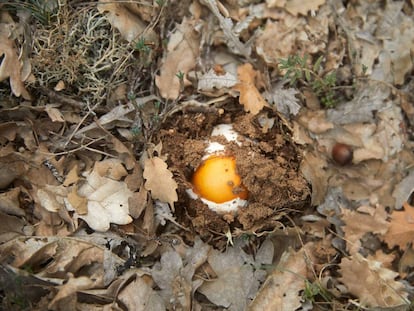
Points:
(145, 51)
(141, 46)
(297, 70)
(160, 2)
(41, 10)
(180, 75)
(313, 290)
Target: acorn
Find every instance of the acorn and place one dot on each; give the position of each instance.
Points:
(342, 154)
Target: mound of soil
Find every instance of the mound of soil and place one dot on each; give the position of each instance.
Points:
(267, 161)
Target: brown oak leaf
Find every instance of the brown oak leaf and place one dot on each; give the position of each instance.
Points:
(10, 66)
(401, 230)
(159, 181)
(373, 284)
(250, 96)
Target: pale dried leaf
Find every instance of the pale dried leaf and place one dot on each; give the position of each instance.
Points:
(111, 168)
(63, 255)
(374, 285)
(211, 81)
(10, 66)
(10, 227)
(107, 202)
(54, 114)
(403, 190)
(296, 7)
(167, 271)
(183, 51)
(174, 274)
(282, 289)
(60, 86)
(367, 100)
(312, 167)
(226, 25)
(118, 116)
(9, 202)
(250, 97)
(366, 219)
(70, 288)
(385, 259)
(51, 197)
(138, 202)
(285, 100)
(139, 295)
(315, 121)
(128, 24)
(79, 203)
(72, 176)
(401, 229)
(159, 180)
(135, 179)
(236, 282)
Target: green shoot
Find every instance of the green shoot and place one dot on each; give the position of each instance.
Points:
(42, 11)
(297, 70)
(160, 3)
(180, 75)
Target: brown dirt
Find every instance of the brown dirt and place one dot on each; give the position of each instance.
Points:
(268, 162)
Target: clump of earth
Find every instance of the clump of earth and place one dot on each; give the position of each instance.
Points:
(267, 161)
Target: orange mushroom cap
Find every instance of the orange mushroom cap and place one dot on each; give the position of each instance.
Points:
(216, 180)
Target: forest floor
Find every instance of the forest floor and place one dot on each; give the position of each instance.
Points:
(109, 111)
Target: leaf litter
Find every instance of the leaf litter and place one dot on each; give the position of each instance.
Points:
(106, 111)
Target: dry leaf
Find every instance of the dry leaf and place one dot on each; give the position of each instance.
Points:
(9, 202)
(183, 50)
(10, 66)
(10, 227)
(211, 81)
(364, 220)
(111, 168)
(233, 282)
(159, 180)
(54, 114)
(174, 274)
(80, 204)
(135, 179)
(315, 121)
(406, 262)
(296, 7)
(401, 230)
(250, 96)
(60, 86)
(51, 198)
(107, 202)
(313, 168)
(371, 283)
(138, 202)
(139, 295)
(72, 177)
(282, 289)
(68, 290)
(284, 100)
(403, 190)
(128, 24)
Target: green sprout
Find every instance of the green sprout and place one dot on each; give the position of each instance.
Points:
(144, 50)
(141, 46)
(180, 75)
(313, 290)
(160, 3)
(297, 70)
(41, 10)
